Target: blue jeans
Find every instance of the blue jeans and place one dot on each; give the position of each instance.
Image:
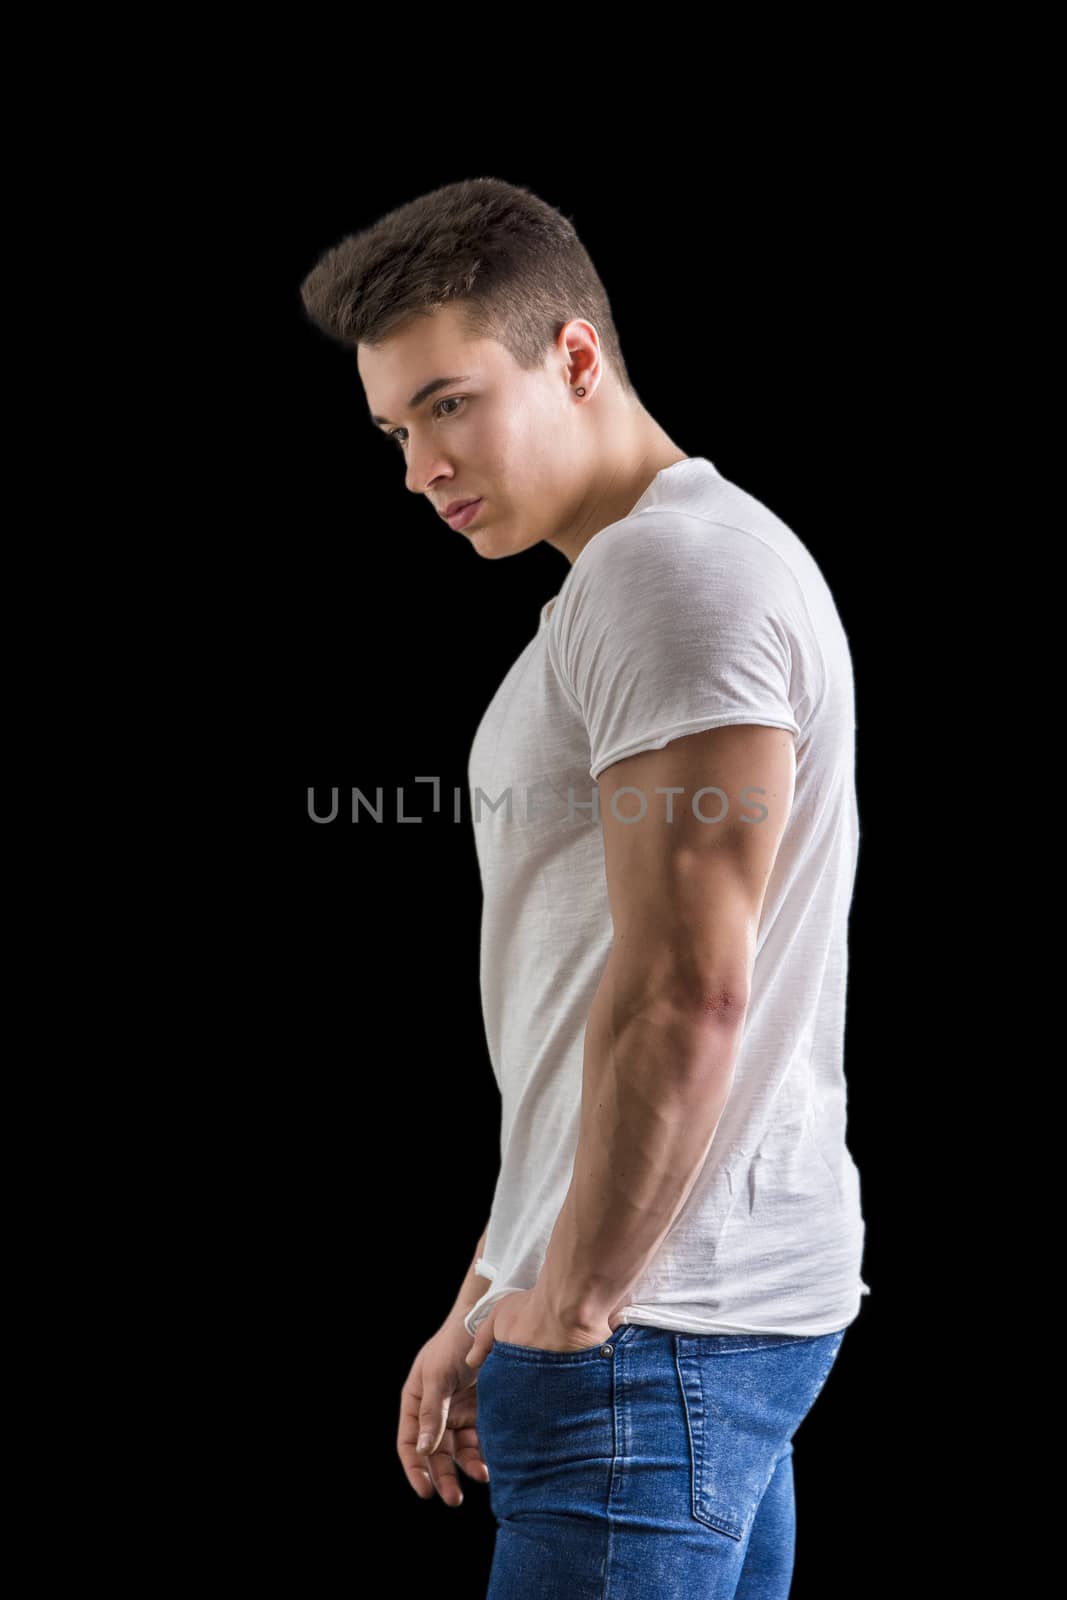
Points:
(655, 1467)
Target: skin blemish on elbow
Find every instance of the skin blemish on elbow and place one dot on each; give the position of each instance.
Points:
(719, 1003)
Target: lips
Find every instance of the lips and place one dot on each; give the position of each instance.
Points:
(457, 505)
(468, 511)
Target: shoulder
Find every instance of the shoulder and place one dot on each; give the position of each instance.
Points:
(670, 558)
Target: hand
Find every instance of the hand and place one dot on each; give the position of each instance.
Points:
(522, 1317)
(440, 1397)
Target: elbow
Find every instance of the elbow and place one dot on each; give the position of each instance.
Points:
(719, 1001)
(714, 1016)
(689, 1008)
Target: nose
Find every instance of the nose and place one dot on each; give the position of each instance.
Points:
(424, 468)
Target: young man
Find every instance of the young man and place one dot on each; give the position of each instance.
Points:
(665, 817)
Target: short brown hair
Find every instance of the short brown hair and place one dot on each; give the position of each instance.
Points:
(514, 264)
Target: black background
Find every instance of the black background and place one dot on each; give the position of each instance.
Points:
(767, 327)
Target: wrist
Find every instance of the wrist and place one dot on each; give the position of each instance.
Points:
(569, 1291)
(461, 1310)
(573, 1309)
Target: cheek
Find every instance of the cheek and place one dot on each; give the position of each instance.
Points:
(524, 465)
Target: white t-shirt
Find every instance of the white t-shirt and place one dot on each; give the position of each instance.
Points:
(699, 609)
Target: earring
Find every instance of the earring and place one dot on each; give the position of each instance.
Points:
(579, 391)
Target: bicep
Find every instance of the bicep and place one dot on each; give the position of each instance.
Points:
(691, 833)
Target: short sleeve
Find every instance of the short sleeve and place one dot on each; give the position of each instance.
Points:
(673, 624)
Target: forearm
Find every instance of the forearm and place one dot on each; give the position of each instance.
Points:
(472, 1287)
(655, 1079)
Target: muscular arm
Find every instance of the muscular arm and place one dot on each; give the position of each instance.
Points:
(668, 1016)
(656, 1079)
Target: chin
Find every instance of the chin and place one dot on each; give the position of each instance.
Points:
(484, 547)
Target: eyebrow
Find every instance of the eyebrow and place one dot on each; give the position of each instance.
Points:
(424, 394)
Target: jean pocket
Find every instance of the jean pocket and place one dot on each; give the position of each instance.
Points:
(743, 1404)
(561, 1358)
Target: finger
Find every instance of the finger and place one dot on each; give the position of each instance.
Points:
(443, 1472)
(467, 1450)
(483, 1343)
(433, 1474)
(433, 1420)
(420, 1479)
(436, 1471)
(416, 1467)
(473, 1465)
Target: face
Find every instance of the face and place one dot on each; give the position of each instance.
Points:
(494, 431)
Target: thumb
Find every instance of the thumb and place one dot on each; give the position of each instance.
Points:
(483, 1343)
(432, 1419)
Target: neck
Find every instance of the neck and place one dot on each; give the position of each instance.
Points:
(635, 449)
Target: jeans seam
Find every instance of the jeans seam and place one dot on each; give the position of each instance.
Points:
(619, 1441)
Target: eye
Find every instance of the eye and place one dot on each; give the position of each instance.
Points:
(449, 400)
